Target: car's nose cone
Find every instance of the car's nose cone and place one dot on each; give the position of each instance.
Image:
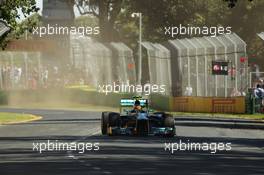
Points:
(142, 116)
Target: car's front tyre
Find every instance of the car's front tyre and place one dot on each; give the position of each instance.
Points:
(104, 122)
(170, 123)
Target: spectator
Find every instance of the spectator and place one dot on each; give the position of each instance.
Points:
(258, 92)
(188, 91)
(235, 93)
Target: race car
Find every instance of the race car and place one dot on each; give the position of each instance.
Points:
(135, 118)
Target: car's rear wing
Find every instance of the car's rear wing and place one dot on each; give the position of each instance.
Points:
(131, 102)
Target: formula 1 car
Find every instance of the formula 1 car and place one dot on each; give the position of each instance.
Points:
(135, 118)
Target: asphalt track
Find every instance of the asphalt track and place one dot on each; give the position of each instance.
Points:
(123, 155)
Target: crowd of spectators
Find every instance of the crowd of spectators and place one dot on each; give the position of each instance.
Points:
(34, 77)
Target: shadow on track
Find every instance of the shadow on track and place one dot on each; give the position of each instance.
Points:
(125, 156)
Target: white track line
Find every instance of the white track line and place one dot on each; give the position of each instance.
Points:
(91, 132)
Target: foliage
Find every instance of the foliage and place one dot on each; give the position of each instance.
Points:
(106, 11)
(232, 3)
(245, 18)
(9, 11)
(116, 24)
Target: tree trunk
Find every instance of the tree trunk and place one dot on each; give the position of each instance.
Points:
(107, 19)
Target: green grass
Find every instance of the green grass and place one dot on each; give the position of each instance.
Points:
(89, 107)
(82, 87)
(253, 116)
(63, 106)
(9, 118)
(216, 115)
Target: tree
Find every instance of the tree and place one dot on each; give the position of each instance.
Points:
(9, 11)
(106, 11)
(232, 3)
(246, 19)
(115, 14)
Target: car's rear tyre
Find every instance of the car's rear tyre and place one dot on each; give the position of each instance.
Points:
(104, 122)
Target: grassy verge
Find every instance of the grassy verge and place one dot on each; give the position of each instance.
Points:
(89, 107)
(82, 87)
(242, 116)
(63, 106)
(12, 118)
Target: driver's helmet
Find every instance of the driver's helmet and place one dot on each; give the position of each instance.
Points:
(137, 105)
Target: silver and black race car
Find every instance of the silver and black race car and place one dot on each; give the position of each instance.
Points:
(135, 118)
